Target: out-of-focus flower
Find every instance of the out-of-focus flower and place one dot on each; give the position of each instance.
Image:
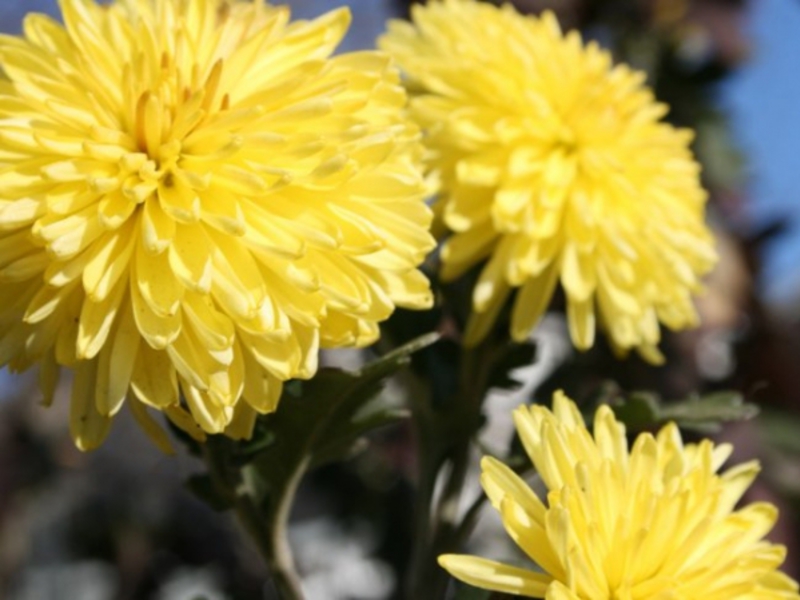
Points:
(194, 197)
(654, 523)
(554, 165)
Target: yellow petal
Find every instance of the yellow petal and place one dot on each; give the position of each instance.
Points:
(159, 331)
(88, 427)
(557, 591)
(492, 575)
(531, 302)
(153, 379)
(242, 422)
(577, 273)
(115, 209)
(213, 327)
(261, 389)
(49, 372)
(117, 364)
(66, 237)
(530, 535)
(158, 229)
(492, 282)
(581, 319)
(462, 251)
(96, 320)
(211, 417)
(179, 417)
(153, 430)
(108, 262)
(190, 257)
(156, 282)
(178, 199)
(480, 323)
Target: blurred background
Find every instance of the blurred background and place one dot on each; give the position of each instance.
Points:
(119, 524)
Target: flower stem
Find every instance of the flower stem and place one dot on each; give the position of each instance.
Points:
(446, 440)
(423, 534)
(267, 527)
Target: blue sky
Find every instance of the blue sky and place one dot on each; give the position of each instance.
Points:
(764, 101)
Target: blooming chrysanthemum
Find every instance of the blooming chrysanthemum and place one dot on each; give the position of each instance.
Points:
(554, 165)
(194, 197)
(655, 523)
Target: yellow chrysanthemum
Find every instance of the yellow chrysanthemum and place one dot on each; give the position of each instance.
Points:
(657, 523)
(554, 165)
(194, 197)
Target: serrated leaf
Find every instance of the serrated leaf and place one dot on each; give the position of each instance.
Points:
(719, 406)
(377, 417)
(349, 440)
(643, 410)
(341, 451)
(638, 411)
(398, 357)
(320, 419)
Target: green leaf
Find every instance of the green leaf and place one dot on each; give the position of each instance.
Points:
(644, 410)
(348, 439)
(711, 408)
(399, 357)
(262, 438)
(322, 419)
(638, 410)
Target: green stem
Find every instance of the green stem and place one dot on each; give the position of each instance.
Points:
(447, 521)
(429, 464)
(267, 529)
(469, 520)
(422, 521)
(438, 528)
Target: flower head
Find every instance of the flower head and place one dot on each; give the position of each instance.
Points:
(555, 166)
(655, 523)
(194, 197)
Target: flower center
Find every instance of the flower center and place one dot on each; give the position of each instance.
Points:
(166, 123)
(565, 140)
(174, 105)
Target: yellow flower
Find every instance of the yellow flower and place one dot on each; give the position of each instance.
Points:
(655, 523)
(554, 165)
(195, 197)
